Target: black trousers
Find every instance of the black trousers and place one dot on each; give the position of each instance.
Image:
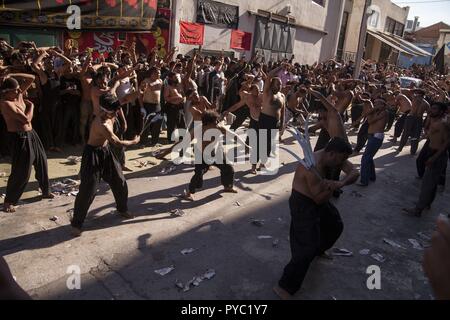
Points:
(99, 163)
(413, 129)
(392, 113)
(119, 151)
(135, 121)
(26, 151)
(4, 145)
(430, 181)
(46, 125)
(323, 140)
(226, 175)
(67, 126)
(174, 119)
(241, 115)
(268, 123)
(363, 135)
(356, 111)
(423, 157)
(400, 125)
(154, 121)
(314, 229)
(254, 125)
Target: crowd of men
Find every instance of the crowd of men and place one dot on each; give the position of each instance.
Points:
(52, 97)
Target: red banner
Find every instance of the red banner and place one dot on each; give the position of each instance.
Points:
(241, 40)
(101, 42)
(192, 33)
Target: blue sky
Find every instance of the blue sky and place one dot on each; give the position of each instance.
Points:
(429, 11)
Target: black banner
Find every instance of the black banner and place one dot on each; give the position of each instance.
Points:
(217, 13)
(95, 14)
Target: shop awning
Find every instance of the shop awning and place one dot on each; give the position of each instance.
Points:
(398, 43)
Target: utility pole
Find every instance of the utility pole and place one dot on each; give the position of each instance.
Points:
(362, 40)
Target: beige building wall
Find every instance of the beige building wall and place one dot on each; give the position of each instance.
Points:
(310, 45)
(385, 9)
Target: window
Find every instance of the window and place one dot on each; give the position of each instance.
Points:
(320, 2)
(399, 28)
(390, 25)
(374, 18)
(394, 27)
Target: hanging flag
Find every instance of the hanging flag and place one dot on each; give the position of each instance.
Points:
(192, 33)
(241, 40)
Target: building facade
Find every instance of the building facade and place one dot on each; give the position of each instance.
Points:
(309, 29)
(385, 17)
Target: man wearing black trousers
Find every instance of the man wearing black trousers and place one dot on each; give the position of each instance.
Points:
(99, 162)
(316, 224)
(25, 145)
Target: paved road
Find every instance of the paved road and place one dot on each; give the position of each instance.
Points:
(117, 258)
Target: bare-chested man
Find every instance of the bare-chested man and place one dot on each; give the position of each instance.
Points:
(414, 122)
(332, 126)
(344, 96)
(99, 162)
(210, 121)
(404, 105)
(199, 104)
(26, 147)
(103, 84)
(151, 101)
(253, 100)
(174, 104)
(377, 119)
(438, 137)
(273, 109)
(363, 132)
(315, 223)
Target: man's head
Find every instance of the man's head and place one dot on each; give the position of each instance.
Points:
(10, 89)
(193, 96)
(218, 66)
(275, 85)
(419, 93)
(109, 106)
(336, 152)
(210, 118)
(102, 77)
(438, 109)
(154, 74)
(126, 59)
(178, 68)
(173, 79)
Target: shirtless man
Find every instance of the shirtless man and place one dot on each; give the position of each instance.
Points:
(404, 105)
(438, 137)
(315, 223)
(199, 104)
(174, 104)
(377, 119)
(26, 147)
(344, 96)
(414, 122)
(86, 109)
(437, 113)
(253, 100)
(151, 101)
(99, 162)
(103, 84)
(333, 127)
(363, 132)
(210, 120)
(273, 109)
